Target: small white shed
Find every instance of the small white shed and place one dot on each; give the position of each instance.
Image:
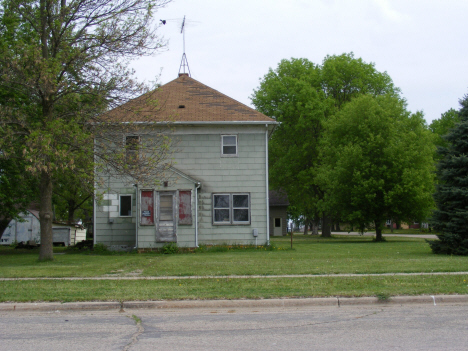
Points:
(30, 229)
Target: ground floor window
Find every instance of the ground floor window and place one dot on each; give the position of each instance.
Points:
(231, 208)
(125, 205)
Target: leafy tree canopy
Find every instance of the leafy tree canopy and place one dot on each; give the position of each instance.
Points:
(65, 63)
(302, 96)
(442, 126)
(377, 162)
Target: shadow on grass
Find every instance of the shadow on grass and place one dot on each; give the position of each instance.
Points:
(341, 239)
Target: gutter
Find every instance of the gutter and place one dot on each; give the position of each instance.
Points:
(196, 123)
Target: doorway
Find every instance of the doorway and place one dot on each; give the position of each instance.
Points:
(278, 227)
(166, 220)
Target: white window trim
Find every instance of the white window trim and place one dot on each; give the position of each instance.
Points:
(120, 205)
(222, 145)
(231, 210)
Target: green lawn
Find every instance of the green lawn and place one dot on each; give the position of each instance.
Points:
(311, 255)
(124, 290)
(408, 231)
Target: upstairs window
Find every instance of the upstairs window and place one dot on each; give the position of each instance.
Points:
(229, 145)
(132, 143)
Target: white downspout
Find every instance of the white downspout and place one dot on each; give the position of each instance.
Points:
(267, 186)
(196, 213)
(94, 215)
(136, 216)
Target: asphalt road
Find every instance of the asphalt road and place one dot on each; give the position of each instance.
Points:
(378, 327)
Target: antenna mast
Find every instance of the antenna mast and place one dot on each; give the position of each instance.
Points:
(184, 63)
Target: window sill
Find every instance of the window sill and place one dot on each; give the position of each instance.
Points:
(231, 224)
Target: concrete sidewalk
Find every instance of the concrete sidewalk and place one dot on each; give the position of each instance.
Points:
(230, 304)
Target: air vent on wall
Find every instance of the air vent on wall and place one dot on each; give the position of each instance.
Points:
(181, 106)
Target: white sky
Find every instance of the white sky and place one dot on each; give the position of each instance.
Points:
(231, 44)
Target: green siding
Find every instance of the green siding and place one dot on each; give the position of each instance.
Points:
(199, 156)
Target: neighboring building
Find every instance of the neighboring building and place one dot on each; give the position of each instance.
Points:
(278, 213)
(23, 231)
(29, 229)
(216, 192)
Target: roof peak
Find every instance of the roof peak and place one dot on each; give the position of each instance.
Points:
(184, 100)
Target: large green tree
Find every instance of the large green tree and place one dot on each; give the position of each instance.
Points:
(73, 196)
(67, 61)
(451, 197)
(18, 189)
(377, 163)
(302, 96)
(442, 126)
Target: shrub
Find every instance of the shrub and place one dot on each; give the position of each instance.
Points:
(170, 248)
(100, 249)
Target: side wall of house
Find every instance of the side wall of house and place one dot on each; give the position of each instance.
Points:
(110, 228)
(245, 173)
(198, 155)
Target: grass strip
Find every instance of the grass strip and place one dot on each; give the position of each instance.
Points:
(120, 290)
(311, 255)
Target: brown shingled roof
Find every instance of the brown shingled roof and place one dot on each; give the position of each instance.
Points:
(185, 100)
(278, 198)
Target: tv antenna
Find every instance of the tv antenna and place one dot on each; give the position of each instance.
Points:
(184, 63)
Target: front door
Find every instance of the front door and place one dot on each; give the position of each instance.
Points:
(166, 227)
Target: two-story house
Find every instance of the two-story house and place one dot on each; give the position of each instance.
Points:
(217, 189)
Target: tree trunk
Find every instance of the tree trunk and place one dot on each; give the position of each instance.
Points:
(46, 251)
(337, 227)
(315, 227)
(306, 226)
(71, 211)
(378, 231)
(326, 229)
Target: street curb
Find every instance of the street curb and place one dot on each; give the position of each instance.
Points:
(57, 306)
(231, 304)
(264, 303)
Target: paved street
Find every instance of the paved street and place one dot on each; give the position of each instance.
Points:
(376, 327)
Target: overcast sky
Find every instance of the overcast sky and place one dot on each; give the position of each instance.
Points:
(231, 44)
